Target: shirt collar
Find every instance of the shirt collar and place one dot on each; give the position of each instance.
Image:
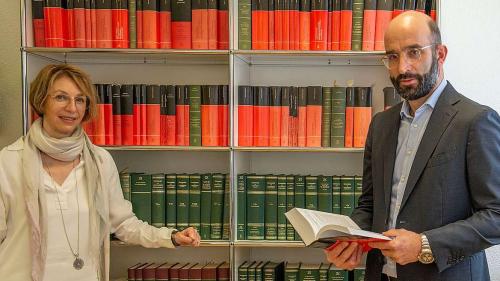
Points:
(430, 102)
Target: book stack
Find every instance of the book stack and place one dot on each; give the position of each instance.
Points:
(179, 271)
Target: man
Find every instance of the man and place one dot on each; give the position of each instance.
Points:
(431, 170)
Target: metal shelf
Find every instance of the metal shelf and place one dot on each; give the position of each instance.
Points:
(166, 148)
(204, 243)
(269, 244)
(299, 149)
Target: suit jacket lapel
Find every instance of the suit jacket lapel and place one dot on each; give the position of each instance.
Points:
(390, 143)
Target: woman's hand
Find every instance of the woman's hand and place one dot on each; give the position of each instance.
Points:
(188, 237)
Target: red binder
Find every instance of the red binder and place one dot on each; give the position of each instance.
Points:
(165, 20)
(245, 116)
(210, 116)
(120, 24)
(261, 117)
(223, 25)
(200, 25)
(275, 117)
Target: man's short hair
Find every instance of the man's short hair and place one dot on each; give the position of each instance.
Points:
(435, 32)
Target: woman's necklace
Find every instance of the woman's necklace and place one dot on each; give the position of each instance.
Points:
(78, 262)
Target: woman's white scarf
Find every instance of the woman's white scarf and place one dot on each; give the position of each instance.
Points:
(65, 149)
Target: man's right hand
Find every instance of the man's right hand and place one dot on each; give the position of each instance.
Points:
(346, 255)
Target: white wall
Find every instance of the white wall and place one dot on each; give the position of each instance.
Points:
(473, 39)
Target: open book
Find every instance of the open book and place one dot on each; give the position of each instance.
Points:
(321, 230)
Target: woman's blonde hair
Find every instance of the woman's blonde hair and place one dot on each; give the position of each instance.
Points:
(45, 79)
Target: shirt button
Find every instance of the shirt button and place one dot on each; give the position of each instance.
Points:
(409, 151)
(415, 125)
(403, 178)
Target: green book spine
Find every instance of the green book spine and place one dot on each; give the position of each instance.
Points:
(243, 271)
(358, 189)
(290, 195)
(255, 206)
(299, 197)
(158, 200)
(194, 115)
(326, 117)
(338, 117)
(323, 272)
(195, 201)
(227, 205)
(273, 271)
(182, 201)
(309, 272)
(217, 206)
(242, 207)
(292, 272)
(171, 200)
(336, 274)
(251, 271)
(132, 24)
(125, 184)
(359, 274)
(259, 271)
(206, 206)
(245, 25)
(141, 196)
(357, 24)
(271, 209)
(312, 192)
(336, 188)
(325, 202)
(347, 195)
(282, 207)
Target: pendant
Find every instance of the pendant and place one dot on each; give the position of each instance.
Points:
(78, 263)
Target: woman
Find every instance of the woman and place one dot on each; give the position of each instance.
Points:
(60, 195)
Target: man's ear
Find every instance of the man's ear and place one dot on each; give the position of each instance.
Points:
(441, 53)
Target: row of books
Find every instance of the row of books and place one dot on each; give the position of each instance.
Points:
(287, 271)
(263, 201)
(166, 24)
(320, 25)
(182, 115)
(311, 116)
(180, 201)
(175, 271)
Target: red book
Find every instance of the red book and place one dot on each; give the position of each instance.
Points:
(319, 25)
(108, 115)
(384, 16)
(421, 6)
(346, 25)
(153, 115)
(99, 126)
(165, 27)
(362, 115)
(174, 271)
(161, 272)
(53, 14)
(209, 271)
(117, 114)
(148, 273)
(293, 123)
(149, 24)
(120, 24)
(294, 25)
(433, 10)
(104, 21)
(137, 115)
(181, 24)
(131, 271)
(399, 7)
(271, 25)
(279, 5)
(410, 5)
(349, 117)
(260, 24)
(127, 114)
(245, 116)
(144, 116)
(305, 25)
(138, 23)
(88, 127)
(337, 24)
(79, 23)
(285, 116)
(302, 122)
(285, 24)
(139, 271)
(184, 271)
(195, 272)
(210, 116)
(38, 23)
(330, 24)
(212, 24)
(223, 115)
(261, 117)
(275, 117)
(314, 114)
(180, 114)
(70, 24)
(369, 21)
(88, 24)
(223, 272)
(171, 116)
(200, 24)
(163, 115)
(223, 25)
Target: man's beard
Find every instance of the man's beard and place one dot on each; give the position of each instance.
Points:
(425, 83)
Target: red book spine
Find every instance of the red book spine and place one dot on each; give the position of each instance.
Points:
(369, 21)
(212, 25)
(295, 24)
(171, 116)
(421, 6)
(433, 10)
(79, 23)
(139, 23)
(70, 20)
(285, 24)
(200, 24)
(120, 24)
(399, 8)
(108, 115)
(163, 115)
(319, 25)
(223, 25)
(314, 114)
(209, 116)
(153, 115)
(330, 25)
(144, 116)
(261, 117)
(93, 19)
(349, 117)
(181, 24)
(275, 117)
(384, 16)
(165, 27)
(127, 114)
(305, 25)
(99, 122)
(38, 23)
(88, 127)
(53, 14)
(149, 24)
(88, 24)
(285, 116)
(293, 123)
(245, 116)
(346, 25)
(137, 114)
(180, 92)
(362, 115)
(260, 24)
(272, 45)
(224, 115)
(337, 24)
(278, 24)
(117, 115)
(64, 5)
(302, 117)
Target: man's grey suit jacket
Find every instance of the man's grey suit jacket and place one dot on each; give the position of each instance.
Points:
(452, 193)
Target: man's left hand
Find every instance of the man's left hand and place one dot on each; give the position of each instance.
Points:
(404, 248)
(188, 237)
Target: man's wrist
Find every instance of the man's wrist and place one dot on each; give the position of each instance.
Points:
(425, 256)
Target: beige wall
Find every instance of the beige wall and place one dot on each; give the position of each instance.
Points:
(10, 72)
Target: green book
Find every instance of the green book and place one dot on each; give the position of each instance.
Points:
(336, 274)
(141, 196)
(158, 200)
(171, 200)
(299, 197)
(195, 201)
(259, 271)
(194, 115)
(282, 221)
(357, 24)
(241, 205)
(251, 271)
(358, 189)
(256, 186)
(290, 194)
(245, 25)
(347, 195)
(359, 274)
(312, 192)
(323, 271)
(132, 30)
(243, 271)
(206, 206)
(309, 272)
(217, 206)
(292, 271)
(274, 271)
(326, 117)
(336, 188)
(325, 202)
(338, 117)
(271, 208)
(182, 201)
(227, 207)
(125, 184)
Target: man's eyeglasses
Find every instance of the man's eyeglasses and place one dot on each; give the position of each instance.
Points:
(64, 100)
(411, 55)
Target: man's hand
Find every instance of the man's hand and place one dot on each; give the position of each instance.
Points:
(345, 255)
(404, 248)
(188, 237)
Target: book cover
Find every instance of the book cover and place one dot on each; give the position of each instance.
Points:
(245, 116)
(359, 274)
(223, 109)
(323, 271)
(302, 122)
(337, 24)
(279, 6)
(206, 206)
(94, 22)
(223, 272)
(216, 213)
(349, 117)
(290, 203)
(369, 22)
(39, 22)
(161, 273)
(194, 115)
(158, 200)
(292, 271)
(261, 116)
(127, 114)
(209, 272)
(285, 25)
(273, 271)
(281, 203)
(309, 272)
(305, 25)
(53, 15)
(139, 271)
(335, 274)
(243, 271)
(174, 271)
(108, 114)
(311, 192)
(88, 24)
(144, 115)
(271, 208)
(383, 18)
(223, 24)
(245, 25)
(272, 44)
(195, 201)
(326, 117)
(132, 23)
(319, 25)
(299, 198)
(150, 24)
(362, 115)
(285, 116)
(104, 24)
(346, 25)
(346, 195)
(200, 23)
(79, 23)
(131, 271)
(69, 19)
(226, 208)
(294, 24)
(241, 205)
(325, 194)
(153, 115)
(120, 25)
(260, 24)
(338, 117)
(357, 24)
(171, 200)
(141, 196)
(314, 114)
(212, 25)
(336, 191)
(182, 201)
(195, 272)
(165, 24)
(181, 24)
(255, 206)
(210, 130)
(275, 117)
(139, 16)
(181, 109)
(117, 114)
(184, 271)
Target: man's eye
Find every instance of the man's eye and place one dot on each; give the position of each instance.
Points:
(392, 57)
(413, 53)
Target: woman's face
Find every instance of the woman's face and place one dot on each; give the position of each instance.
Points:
(64, 108)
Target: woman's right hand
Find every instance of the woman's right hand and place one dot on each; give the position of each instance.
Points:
(346, 255)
